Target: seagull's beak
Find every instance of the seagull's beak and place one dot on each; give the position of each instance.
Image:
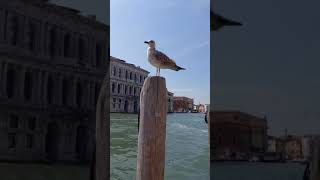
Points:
(146, 42)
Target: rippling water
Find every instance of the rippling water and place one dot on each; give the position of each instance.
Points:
(256, 171)
(187, 148)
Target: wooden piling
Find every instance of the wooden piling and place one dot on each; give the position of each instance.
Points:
(315, 159)
(102, 160)
(152, 130)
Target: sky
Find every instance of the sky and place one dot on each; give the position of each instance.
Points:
(180, 29)
(270, 65)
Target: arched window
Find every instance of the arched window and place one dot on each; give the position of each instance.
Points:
(140, 78)
(28, 84)
(130, 75)
(52, 42)
(31, 36)
(15, 30)
(11, 78)
(113, 87)
(119, 73)
(97, 91)
(114, 71)
(79, 94)
(119, 88)
(125, 90)
(66, 45)
(65, 91)
(98, 54)
(50, 90)
(81, 49)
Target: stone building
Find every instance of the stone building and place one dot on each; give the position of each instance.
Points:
(182, 104)
(126, 81)
(52, 63)
(237, 135)
(170, 102)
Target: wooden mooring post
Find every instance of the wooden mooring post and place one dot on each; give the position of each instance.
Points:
(315, 159)
(152, 130)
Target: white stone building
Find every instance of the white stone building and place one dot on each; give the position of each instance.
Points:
(170, 102)
(52, 63)
(126, 81)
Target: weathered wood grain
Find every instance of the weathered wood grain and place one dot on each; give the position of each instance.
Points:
(152, 130)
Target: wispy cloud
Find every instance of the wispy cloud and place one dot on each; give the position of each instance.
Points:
(192, 48)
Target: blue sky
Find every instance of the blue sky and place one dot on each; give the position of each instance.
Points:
(180, 29)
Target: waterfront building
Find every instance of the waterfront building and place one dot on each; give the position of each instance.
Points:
(52, 63)
(126, 81)
(237, 135)
(182, 104)
(293, 147)
(272, 144)
(170, 102)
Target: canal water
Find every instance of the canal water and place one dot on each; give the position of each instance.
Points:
(187, 148)
(256, 171)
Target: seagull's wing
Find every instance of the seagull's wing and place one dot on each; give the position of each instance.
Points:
(164, 59)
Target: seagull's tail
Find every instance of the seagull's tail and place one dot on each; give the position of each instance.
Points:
(178, 68)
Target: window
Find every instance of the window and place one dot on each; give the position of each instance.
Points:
(119, 73)
(119, 103)
(13, 122)
(28, 86)
(126, 74)
(114, 71)
(65, 91)
(113, 87)
(11, 140)
(52, 42)
(140, 78)
(81, 49)
(130, 75)
(50, 90)
(29, 141)
(31, 36)
(98, 54)
(10, 83)
(134, 91)
(119, 88)
(79, 94)
(135, 77)
(66, 45)
(15, 30)
(130, 90)
(32, 123)
(125, 90)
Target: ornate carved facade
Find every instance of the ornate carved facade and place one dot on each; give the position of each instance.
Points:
(126, 83)
(52, 62)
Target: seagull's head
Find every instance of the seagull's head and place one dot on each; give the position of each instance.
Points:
(151, 43)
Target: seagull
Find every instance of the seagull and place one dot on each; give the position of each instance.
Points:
(159, 59)
(218, 22)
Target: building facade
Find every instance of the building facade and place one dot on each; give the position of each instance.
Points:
(237, 135)
(182, 104)
(52, 63)
(170, 102)
(126, 81)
